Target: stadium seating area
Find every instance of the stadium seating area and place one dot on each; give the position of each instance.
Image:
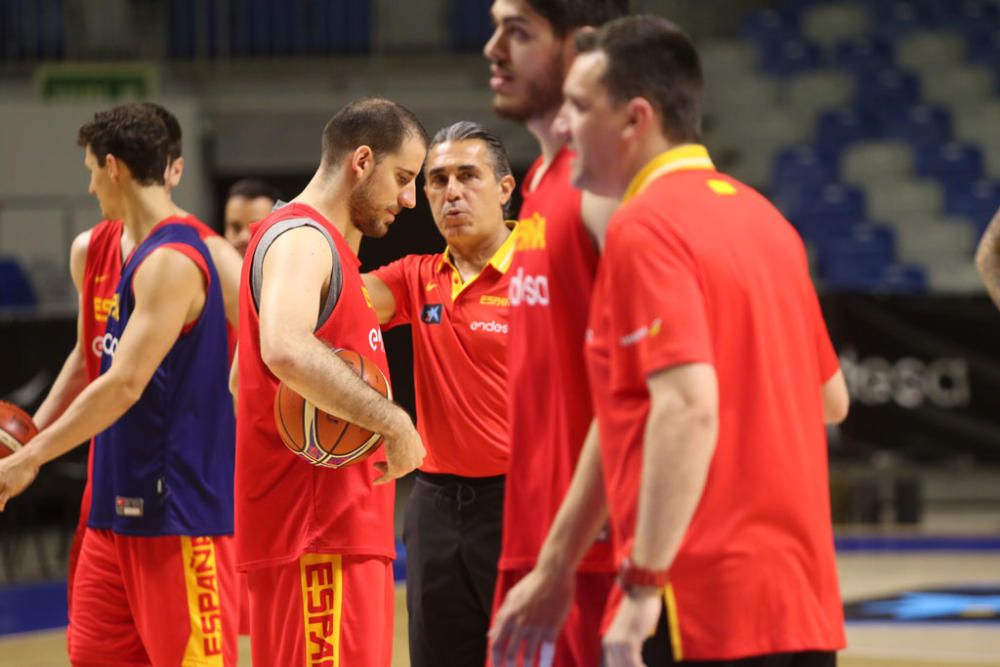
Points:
(875, 126)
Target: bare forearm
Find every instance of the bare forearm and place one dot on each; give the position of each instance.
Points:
(677, 452)
(314, 371)
(69, 383)
(97, 407)
(583, 512)
(988, 259)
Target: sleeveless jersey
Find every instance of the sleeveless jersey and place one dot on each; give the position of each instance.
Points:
(100, 280)
(551, 278)
(166, 466)
(284, 505)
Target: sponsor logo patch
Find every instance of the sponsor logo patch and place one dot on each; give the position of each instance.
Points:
(431, 313)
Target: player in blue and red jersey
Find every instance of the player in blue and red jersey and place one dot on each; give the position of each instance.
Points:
(155, 583)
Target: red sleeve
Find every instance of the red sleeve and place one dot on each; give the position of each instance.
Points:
(658, 316)
(397, 277)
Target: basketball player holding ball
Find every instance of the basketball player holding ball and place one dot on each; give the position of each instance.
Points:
(156, 544)
(317, 542)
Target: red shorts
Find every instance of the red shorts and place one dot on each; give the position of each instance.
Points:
(323, 610)
(579, 643)
(154, 601)
(74, 557)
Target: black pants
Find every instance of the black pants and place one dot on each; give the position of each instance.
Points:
(656, 652)
(452, 535)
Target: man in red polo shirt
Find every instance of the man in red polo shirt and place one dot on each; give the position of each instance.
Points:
(712, 382)
(456, 302)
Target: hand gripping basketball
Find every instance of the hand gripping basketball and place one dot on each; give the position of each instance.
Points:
(319, 437)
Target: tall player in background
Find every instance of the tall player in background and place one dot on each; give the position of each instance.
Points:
(456, 303)
(317, 543)
(552, 274)
(155, 581)
(96, 258)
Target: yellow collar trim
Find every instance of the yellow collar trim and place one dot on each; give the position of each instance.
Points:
(682, 158)
(500, 261)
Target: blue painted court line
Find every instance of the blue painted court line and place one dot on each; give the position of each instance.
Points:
(969, 543)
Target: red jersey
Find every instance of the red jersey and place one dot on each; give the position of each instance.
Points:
(101, 272)
(285, 506)
(460, 334)
(552, 275)
(699, 268)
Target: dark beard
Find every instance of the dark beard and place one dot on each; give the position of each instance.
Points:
(364, 212)
(543, 97)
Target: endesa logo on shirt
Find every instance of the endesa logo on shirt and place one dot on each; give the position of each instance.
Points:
(490, 327)
(529, 290)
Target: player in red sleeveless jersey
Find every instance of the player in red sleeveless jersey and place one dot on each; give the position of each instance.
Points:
(552, 275)
(317, 543)
(96, 257)
(155, 583)
(712, 374)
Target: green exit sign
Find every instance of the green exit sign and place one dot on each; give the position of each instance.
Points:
(105, 81)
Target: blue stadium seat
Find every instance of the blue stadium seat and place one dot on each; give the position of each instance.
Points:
(977, 201)
(950, 163)
(982, 44)
(838, 128)
(894, 18)
(800, 172)
(767, 26)
(864, 52)
(790, 56)
(15, 286)
(882, 92)
(833, 204)
(921, 125)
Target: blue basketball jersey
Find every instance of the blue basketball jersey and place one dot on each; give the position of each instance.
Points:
(166, 466)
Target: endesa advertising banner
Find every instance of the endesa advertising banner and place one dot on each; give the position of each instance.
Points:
(923, 372)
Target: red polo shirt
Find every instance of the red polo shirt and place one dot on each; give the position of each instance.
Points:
(699, 267)
(459, 347)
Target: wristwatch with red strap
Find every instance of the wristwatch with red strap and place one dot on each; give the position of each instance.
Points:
(631, 577)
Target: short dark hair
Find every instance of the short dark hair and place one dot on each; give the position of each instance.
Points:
(567, 15)
(650, 57)
(252, 188)
(173, 129)
(380, 124)
(466, 130)
(134, 134)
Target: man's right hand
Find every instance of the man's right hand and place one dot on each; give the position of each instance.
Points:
(531, 617)
(403, 454)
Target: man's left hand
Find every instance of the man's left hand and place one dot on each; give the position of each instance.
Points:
(634, 623)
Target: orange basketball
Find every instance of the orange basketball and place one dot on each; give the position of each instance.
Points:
(321, 438)
(16, 428)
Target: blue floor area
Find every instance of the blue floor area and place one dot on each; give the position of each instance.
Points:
(43, 606)
(32, 607)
